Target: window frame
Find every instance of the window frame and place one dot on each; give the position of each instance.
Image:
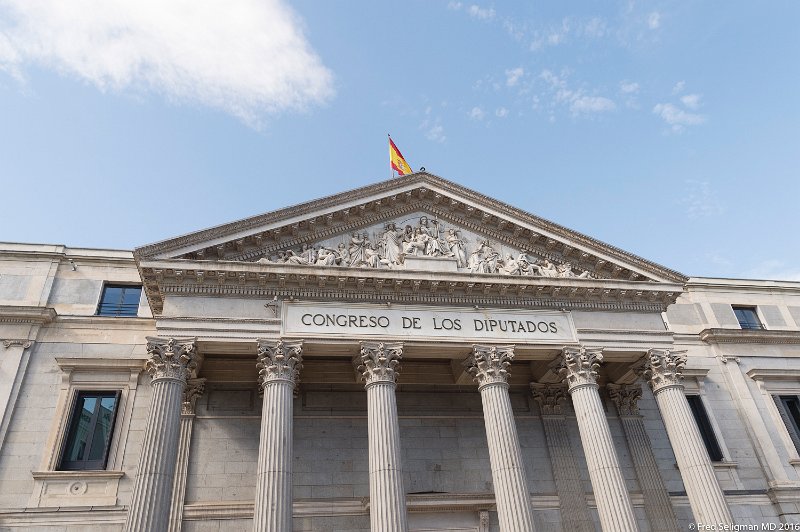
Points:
(747, 325)
(118, 314)
(707, 432)
(86, 464)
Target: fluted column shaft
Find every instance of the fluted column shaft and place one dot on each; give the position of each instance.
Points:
(489, 366)
(378, 364)
(192, 391)
(279, 363)
(657, 503)
(664, 370)
(575, 515)
(579, 367)
(169, 364)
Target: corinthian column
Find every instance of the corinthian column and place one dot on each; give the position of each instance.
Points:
(664, 371)
(171, 362)
(579, 367)
(194, 389)
(279, 364)
(378, 364)
(657, 503)
(575, 514)
(489, 367)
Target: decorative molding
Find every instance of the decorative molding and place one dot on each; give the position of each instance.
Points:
(488, 364)
(664, 368)
(774, 374)
(578, 366)
(171, 358)
(23, 342)
(279, 361)
(549, 397)
(625, 397)
(749, 336)
(26, 314)
(379, 362)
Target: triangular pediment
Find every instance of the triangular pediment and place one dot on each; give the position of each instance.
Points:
(415, 223)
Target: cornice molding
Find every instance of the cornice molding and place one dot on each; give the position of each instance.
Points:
(774, 374)
(247, 279)
(749, 336)
(26, 314)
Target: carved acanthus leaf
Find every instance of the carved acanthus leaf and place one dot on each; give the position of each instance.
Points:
(625, 397)
(194, 389)
(379, 362)
(663, 368)
(549, 397)
(171, 358)
(578, 366)
(279, 361)
(488, 364)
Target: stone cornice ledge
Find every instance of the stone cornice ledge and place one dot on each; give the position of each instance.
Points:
(26, 314)
(62, 475)
(69, 364)
(782, 374)
(749, 336)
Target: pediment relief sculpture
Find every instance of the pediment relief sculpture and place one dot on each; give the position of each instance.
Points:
(395, 245)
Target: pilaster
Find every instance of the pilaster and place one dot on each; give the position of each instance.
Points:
(488, 364)
(578, 367)
(575, 513)
(657, 503)
(194, 389)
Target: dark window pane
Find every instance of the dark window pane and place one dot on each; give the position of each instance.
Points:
(704, 424)
(90, 429)
(119, 300)
(748, 317)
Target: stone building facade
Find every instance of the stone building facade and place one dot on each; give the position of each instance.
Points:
(408, 356)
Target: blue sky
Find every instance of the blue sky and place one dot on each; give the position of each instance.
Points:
(669, 129)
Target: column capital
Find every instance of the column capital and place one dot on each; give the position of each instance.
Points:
(194, 389)
(578, 366)
(549, 397)
(22, 342)
(171, 358)
(488, 364)
(279, 361)
(379, 361)
(664, 368)
(625, 397)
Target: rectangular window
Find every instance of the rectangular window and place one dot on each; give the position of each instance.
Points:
(119, 300)
(706, 430)
(90, 428)
(789, 409)
(748, 317)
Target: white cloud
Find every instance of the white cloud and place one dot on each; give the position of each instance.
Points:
(629, 87)
(678, 88)
(501, 112)
(591, 104)
(691, 101)
(700, 201)
(596, 27)
(455, 6)
(654, 20)
(677, 117)
(434, 131)
(480, 13)
(476, 113)
(248, 58)
(513, 75)
(577, 101)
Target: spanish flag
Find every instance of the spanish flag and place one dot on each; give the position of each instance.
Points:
(397, 161)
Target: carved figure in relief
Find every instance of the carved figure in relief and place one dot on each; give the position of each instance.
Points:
(358, 243)
(433, 246)
(510, 266)
(565, 270)
(392, 241)
(457, 247)
(372, 257)
(547, 269)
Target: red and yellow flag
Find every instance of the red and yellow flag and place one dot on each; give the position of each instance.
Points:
(397, 161)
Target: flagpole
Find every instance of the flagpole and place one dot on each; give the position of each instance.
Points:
(391, 170)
